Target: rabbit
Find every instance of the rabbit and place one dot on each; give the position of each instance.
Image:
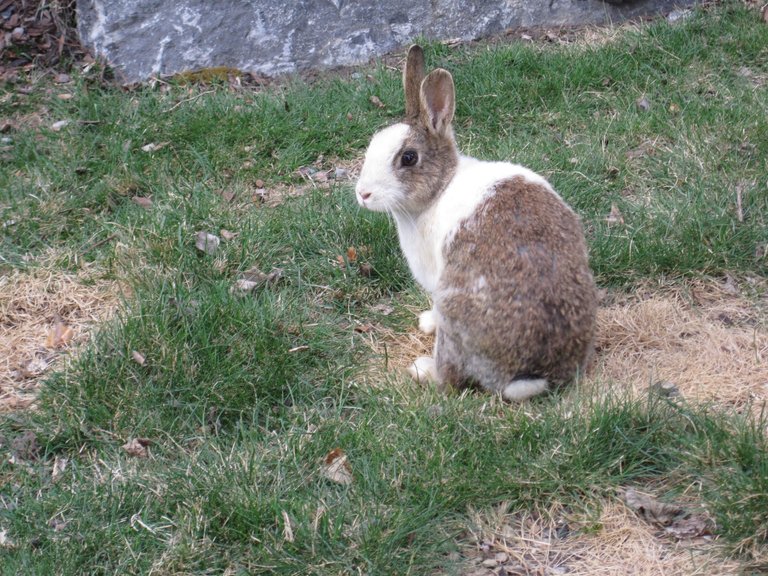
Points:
(501, 255)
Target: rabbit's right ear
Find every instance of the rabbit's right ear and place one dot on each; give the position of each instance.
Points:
(413, 74)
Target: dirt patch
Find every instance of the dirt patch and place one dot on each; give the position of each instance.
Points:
(46, 317)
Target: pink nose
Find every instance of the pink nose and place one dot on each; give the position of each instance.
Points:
(364, 195)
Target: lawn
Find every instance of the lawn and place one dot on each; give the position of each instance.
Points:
(202, 334)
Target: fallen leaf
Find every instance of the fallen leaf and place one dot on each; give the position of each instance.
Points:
(260, 195)
(665, 389)
(341, 173)
(57, 126)
(207, 243)
(645, 149)
(138, 447)
(364, 328)
(25, 446)
(287, 528)
(259, 183)
(650, 509)
(59, 466)
(336, 468)
(34, 367)
(65, 96)
(614, 216)
(376, 101)
(690, 526)
(227, 235)
(731, 286)
(59, 335)
(139, 358)
(352, 254)
(5, 540)
(243, 285)
(143, 201)
(383, 309)
(62, 78)
(58, 524)
(255, 278)
(365, 270)
(674, 108)
(643, 104)
(153, 147)
(227, 195)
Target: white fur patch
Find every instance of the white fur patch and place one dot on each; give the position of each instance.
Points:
(427, 322)
(423, 370)
(378, 188)
(520, 390)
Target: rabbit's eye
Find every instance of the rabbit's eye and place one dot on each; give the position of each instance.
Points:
(409, 158)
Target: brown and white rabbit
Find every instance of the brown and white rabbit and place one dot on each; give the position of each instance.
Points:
(501, 254)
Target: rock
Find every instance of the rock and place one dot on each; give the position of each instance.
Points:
(144, 38)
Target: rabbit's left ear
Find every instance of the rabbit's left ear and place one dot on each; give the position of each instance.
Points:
(413, 74)
(437, 102)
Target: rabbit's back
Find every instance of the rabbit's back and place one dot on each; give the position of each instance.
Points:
(516, 297)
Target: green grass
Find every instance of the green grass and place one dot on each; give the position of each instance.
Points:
(243, 396)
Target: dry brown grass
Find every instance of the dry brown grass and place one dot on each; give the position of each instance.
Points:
(706, 338)
(556, 541)
(46, 316)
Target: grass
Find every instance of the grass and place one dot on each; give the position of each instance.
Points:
(241, 397)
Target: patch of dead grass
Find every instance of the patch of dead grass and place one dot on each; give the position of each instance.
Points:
(705, 338)
(34, 305)
(557, 541)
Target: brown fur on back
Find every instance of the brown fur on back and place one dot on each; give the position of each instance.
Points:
(516, 298)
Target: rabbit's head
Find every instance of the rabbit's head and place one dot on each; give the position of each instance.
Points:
(407, 165)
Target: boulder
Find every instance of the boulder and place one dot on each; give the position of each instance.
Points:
(144, 38)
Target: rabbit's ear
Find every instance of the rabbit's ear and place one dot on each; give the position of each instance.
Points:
(413, 74)
(438, 101)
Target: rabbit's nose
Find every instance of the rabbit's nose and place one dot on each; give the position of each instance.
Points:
(364, 195)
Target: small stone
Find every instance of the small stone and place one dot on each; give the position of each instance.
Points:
(643, 104)
(490, 563)
(501, 557)
(62, 78)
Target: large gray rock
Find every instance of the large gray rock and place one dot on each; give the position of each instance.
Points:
(142, 38)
